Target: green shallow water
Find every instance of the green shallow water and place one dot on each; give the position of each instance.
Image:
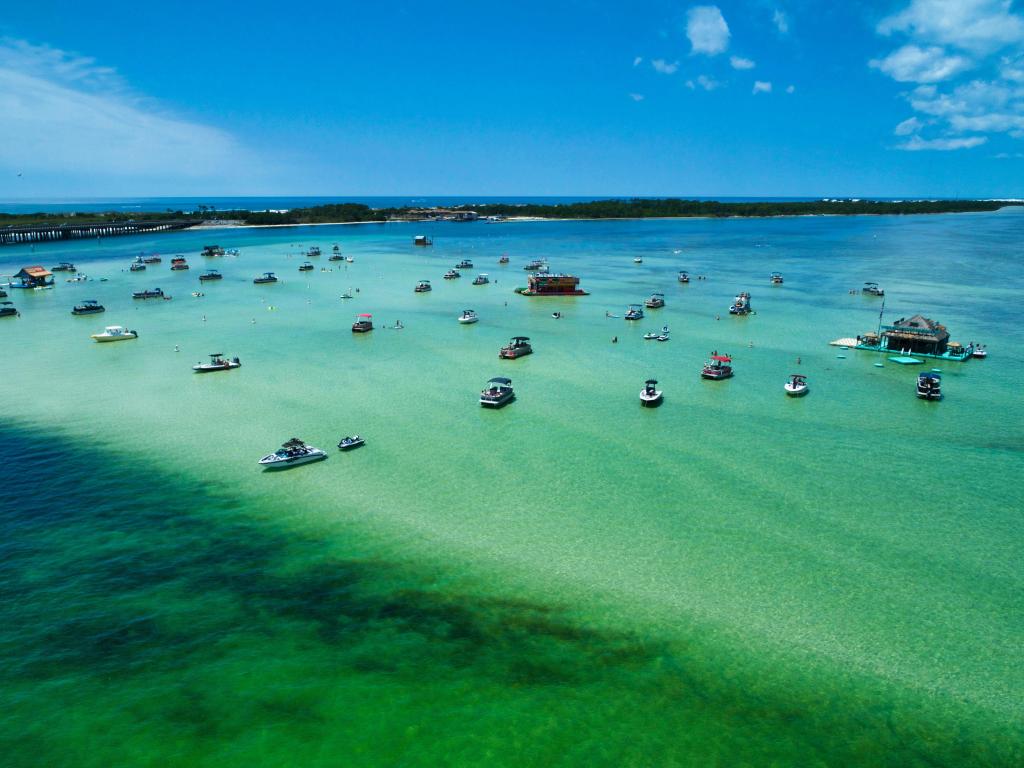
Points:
(734, 578)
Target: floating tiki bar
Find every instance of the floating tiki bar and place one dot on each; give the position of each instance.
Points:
(552, 285)
(33, 277)
(917, 335)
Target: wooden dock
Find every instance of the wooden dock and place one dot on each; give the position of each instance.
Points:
(46, 232)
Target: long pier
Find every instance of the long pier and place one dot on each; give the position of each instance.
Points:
(45, 232)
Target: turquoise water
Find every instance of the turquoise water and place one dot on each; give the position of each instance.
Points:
(733, 578)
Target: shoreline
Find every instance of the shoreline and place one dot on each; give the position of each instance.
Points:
(531, 219)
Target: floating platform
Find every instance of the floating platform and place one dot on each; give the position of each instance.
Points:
(843, 343)
(906, 360)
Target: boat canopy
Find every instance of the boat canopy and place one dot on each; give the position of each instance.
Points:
(651, 382)
(520, 338)
(500, 380)
(364, 314)
(722, 358)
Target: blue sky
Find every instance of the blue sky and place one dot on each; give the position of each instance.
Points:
(908, 97)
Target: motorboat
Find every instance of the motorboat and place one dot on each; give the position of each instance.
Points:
(468, 316)
(154, 259)
(268, 277)
(291, 454)
(64, 266)
(210, 274)
(796, 386)
(3, 293)
(775, 278)
(518, 346)
(336, 257)
(741, 304)
(217, 363)
(348, 443)
(929, 386)
(115, 333)
(656, 301)
(363, 323)
(535, 265)
(464, 264)
(178, 264)
(497, 393)
(137, 266)
(422, 240)
(305, 267)
(979, 352)
(312, 252)
(423, 286)
(651, 335)
(635, 312)
(7, 309)
(650, 395)
(349, 259)
(503, 260)
(662, 337)
(212, 250)
(638, 260)
(718, 367)
(481, 279)
(872, 289)
(684, 277)
(347, 295)
(452, 274)
(88, 307)
(154, 293)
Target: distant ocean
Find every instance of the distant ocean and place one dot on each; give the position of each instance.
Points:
(153, 204)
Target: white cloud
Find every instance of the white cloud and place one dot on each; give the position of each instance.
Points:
(790, 88)
(705, 82)
(908, 126)
(995, 122)
(665, 67)
(1013, 69)
(636, 96)
(62, 111)
(1005, 155)
(739, 62)
(760, 86)
(638, 61)
(707, 30)
(917, 144)
(780, 21)
(912, 64)
(980, 26)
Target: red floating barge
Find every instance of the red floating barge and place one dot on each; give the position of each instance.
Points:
(552, 285)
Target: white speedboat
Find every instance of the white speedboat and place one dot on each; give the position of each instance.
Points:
(796, 386)
(115, 333)
(650, 395)
(217, 363)
(291, 454)
(638, 260)
(468, 316)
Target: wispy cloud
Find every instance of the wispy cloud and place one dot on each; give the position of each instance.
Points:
(665, 67)
(912, 64)
(706, 29)
(781, 21)
(636, 96)
(908, 126)
(738, 62)
(980, 26)
(761, 86)
(917, 144)
(638, 61)
(64, 111)
(790, 89)
(703, 81)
